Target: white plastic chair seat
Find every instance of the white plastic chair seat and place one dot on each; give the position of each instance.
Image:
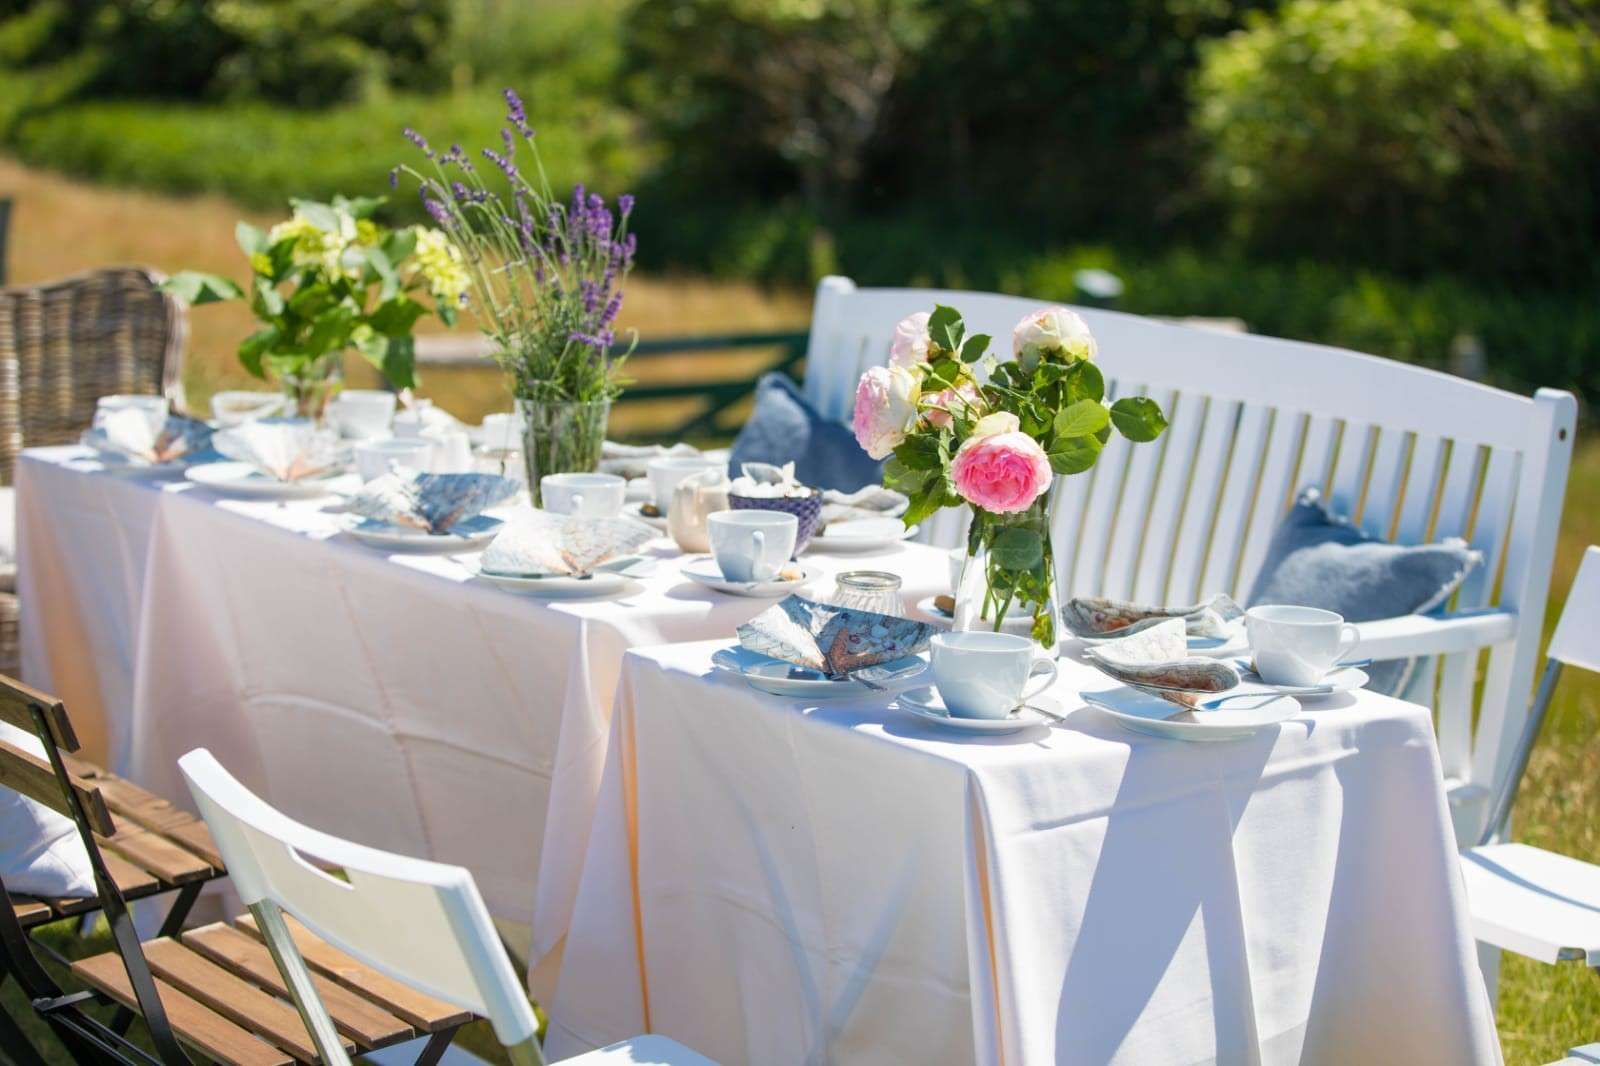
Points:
(1534, 902)
(654, 1050)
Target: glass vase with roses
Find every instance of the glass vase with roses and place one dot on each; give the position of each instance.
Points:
(960, 428)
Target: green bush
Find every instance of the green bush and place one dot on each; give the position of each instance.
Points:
(309, 53)
(1410, 133)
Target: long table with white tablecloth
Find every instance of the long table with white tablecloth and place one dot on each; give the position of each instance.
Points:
(392, 699)
(779, 881)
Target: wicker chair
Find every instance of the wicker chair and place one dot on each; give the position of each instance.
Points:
(63, 345)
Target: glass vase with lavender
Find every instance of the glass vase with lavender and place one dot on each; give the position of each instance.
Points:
(547, 278)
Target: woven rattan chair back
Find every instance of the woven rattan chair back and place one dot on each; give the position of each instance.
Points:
(66, 343)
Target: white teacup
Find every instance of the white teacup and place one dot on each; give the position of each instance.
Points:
(375, 458)
(362, 414)
(452, 451)
(591, 495)
(1297, 645)
(668, 470)
(985, 675)
(752, 545)
(502, 432)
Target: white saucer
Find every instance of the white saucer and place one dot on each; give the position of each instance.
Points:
(785, 679)
(631, 509)
(1346, 679)
(861, 535)
(926, 703)
(242, 479)
(1226, 717)
(705, 571)
(601, 582)
(468, 535)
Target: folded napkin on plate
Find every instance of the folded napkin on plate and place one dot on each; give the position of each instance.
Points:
(287, 449)
(544, 544)
(632, 460)
(128, 434)
(833, 640)
(433, 502)
(1157, 660)
(765, 481)
(870, 501)
(1094, 616)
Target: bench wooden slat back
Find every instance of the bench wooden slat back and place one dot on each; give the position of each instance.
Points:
(17, 702)
(26, 773)
(1410, 454)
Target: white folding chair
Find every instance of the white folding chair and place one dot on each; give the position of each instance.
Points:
(421, 923)
(1525, 899)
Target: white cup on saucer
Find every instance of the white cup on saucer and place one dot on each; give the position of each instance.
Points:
(502, 432)
(752, 545)
(980, 674)
(665, 473)
(362, 414)
(590, 495)
(375, 458)
(452, 451)
(1297, 645)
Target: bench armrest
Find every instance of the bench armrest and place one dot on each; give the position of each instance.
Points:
(1417, 634)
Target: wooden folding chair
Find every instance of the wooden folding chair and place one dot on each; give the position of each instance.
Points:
(213, 991)
(421, 924)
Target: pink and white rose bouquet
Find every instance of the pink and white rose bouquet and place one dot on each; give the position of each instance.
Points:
(962, 429)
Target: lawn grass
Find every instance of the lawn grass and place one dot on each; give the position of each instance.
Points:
(62, 226)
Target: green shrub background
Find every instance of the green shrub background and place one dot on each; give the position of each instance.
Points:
(1390, 175)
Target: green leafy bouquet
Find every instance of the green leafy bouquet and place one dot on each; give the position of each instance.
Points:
(330, 278)
(961, 428)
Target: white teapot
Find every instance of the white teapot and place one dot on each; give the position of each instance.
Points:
(696, 498)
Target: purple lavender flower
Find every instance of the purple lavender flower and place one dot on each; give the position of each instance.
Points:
(516, 114)
(394, 177)
(436, 210)
(507, 167)
(421, 142)
(625, 204)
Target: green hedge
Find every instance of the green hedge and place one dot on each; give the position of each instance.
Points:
(259, 154)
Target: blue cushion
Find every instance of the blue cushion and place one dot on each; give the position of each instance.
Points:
(1319, 559)
(785, 428)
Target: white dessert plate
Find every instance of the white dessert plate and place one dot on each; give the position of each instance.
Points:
(926, 703)
(472, 533)
(606, 579)
(242, 479)
(1227, 717)
(861, 535)
(705, 571)
(1345, 679)
(786, 679)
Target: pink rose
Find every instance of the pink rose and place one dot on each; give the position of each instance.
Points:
(1001, 472)
(886, 408)
(964, 397)
(909, 346)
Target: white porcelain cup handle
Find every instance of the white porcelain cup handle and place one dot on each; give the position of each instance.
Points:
(1349, 638)
(758, 549)
(1049, 677)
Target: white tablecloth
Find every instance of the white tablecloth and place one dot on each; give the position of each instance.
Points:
(776, 882)
(390, 699)
(82, 539)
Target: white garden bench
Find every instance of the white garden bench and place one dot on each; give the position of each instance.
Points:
(1411, 454)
